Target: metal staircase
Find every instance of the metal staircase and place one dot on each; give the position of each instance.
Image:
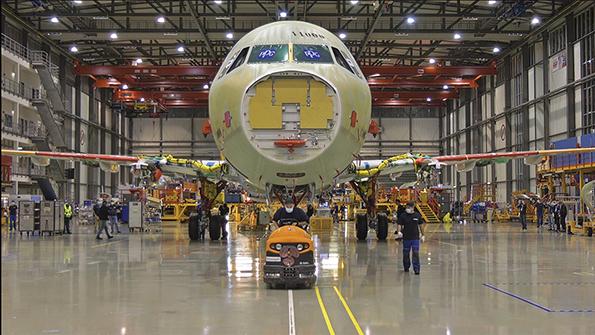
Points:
(427, 213)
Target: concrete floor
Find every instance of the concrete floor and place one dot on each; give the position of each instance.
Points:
(475, 279)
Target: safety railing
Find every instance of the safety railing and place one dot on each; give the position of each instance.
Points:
(21, 90)
(25, 131)
(15, 47)
(27, 169)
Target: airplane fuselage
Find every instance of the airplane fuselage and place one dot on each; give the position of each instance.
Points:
(289, 106)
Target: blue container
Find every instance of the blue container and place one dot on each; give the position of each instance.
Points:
(125, 213)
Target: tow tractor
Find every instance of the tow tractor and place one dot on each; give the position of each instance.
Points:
(290, 256)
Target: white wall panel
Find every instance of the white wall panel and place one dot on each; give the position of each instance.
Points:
(538, 81)
(531, 123)
(500, 135)
(177, 129)
(558, 112)
(531, 82)
(499, 100)
(578, 109)
(557, 75)
(426, 129)
(577, 61)
(539, 124)
(461, 117)
(145, 129)
(501, 186)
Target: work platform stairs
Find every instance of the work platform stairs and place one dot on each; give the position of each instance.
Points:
(427, 213)
(51, 107)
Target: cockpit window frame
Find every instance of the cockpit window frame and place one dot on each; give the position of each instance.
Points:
(235, 64)
(324, 46)
(283, 46)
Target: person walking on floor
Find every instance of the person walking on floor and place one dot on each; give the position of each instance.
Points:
(112, 212)
(68, 211)
(557, 216)
(12, 213)
(563, 214)
(410, 224)
(539, 213)
(523, 214)
(224, 211)
(101, 210)
(551, 215)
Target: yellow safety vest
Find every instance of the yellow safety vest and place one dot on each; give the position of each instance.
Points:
(67, 211)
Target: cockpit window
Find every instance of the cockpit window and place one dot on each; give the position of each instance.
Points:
(306, 53)
(272, 53)
(239, 60)
(341, 60)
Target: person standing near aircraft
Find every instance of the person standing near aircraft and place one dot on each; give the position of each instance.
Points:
(539, 212)
(224, 211)
(68, 212)
(289, 211)
(12, 212)
(410, 225)
(112, 212)
(563, 214)
(523, 214)
(310, 210)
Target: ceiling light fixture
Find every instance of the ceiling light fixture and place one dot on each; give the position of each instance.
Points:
(496, 50)
(492, 2)
(161, 19)
(113, 36)
(181, 48)
(411, 20)
(78, 2)
(74, 49)
(54, 19)
(342, 36)
(457, 36)
(445, 87)
(428, 99)
(283, 14)
(139, 61)
(535, 20)
(124, 87)
(432, 61)
(205, 86)
(142, 99)
(218, 2)
(354, 2)
(229, 35)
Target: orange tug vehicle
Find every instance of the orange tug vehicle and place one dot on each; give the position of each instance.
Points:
(290, 257)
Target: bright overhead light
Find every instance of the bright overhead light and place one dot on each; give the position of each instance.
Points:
(457, 36)
(142, 99)
(124, 87)
(283, 14)
(428, 99)
(342, 36)
(113, 36)
(496, 50)
(139, 61)
(181, 48)
(161, 19)
(12, 74)
(492, 2)
(535, 20)
(410, 20)
(445, 87)
(74, 49)
(432, 60)
(229, 35)
(78, 2)
(205, 86)
(218, 2)
(54, 19)
(354, 2)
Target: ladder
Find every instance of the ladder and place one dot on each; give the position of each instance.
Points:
(427, 213)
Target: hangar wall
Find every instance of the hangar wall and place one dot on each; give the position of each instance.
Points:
(90, 124)
(544, 91)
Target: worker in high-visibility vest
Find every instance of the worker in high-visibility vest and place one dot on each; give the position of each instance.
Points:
(67, 217)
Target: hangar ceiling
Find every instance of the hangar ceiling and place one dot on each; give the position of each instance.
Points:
(201, 32)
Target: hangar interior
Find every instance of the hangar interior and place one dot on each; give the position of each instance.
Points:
(446, 78)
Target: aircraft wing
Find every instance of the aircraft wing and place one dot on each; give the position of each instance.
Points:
(111, 163)
(361, 169)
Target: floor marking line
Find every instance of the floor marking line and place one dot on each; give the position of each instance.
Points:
(451, 244)
(532, 303)
(105, 244)
(348, 310)
(327, 320)
(291, 312)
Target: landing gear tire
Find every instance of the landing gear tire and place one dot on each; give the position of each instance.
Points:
(193, 228)
(589, 232)
(215, 227)
(382, 227)
(361, 227)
